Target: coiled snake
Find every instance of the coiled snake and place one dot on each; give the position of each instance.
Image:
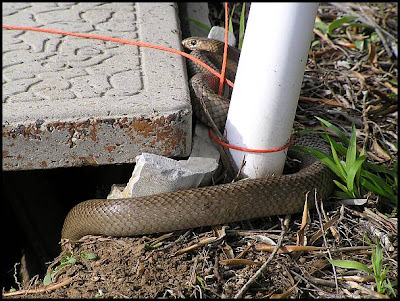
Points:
(211, 205)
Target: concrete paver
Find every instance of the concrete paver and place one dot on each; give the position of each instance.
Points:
(71, 101)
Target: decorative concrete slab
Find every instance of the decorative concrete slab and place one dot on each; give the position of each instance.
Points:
(71, 101)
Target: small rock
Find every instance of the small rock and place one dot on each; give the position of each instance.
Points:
(218, 33)
(155, 174)
(116, 191)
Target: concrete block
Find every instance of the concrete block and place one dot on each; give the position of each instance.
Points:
(156, 174)
(70, 101)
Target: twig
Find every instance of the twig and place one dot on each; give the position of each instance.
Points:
(240, 168)
(39, 290)
(319, 281)
(365, 118)
(265, 264)
(378, 31)
(312, 284)
(15, 274)
(324, 237)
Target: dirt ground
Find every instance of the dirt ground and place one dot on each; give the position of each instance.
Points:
(152, 267)
(239, 259)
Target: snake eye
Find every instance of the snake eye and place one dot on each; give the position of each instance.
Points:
(193, 43)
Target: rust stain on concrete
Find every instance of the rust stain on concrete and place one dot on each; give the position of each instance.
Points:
(165, 135)
(110, 148)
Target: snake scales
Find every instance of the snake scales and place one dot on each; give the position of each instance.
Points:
(205, 206)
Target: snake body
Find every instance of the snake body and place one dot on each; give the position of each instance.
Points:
(205, 206)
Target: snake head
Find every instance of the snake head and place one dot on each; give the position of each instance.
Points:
(211, 45)
(191, 43)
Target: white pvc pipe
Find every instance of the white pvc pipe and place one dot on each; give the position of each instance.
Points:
(268, 82)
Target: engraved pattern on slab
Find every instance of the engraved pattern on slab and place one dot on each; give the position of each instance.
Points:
(47, 60)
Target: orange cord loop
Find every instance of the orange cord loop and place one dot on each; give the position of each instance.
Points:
(249, 150)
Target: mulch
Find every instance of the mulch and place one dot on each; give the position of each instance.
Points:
(274, 257)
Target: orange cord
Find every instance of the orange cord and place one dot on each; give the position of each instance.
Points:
(135, 43)
(163, 48)
(249, 150)
(224, 58)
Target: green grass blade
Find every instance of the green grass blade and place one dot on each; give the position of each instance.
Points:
(335, 129)
(358, 178)
(380, 168)
(376, 181)
(242, 25)
(342, 172)
(350, 264)
(346, 194)
(377, 185)
(338, 147)
(377, 259)
(339, 22)
(351, 174)
(352, 148)
(324, 158)
(201, 281)
(230, 25)
(371, 187)
(322, 26)
(389, 287)
(200, 25)
(90, 256)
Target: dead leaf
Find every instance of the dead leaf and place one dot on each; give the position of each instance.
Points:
(327, 225)
(287, 249)
(318, 265)
(197, 245)
(346, 44)
(374, 157)
(379, 150)
(372, 54)
(301, 237)
(326, 101)
(358, 75)
(389, 85)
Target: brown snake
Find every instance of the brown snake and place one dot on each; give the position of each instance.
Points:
(205, 206)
